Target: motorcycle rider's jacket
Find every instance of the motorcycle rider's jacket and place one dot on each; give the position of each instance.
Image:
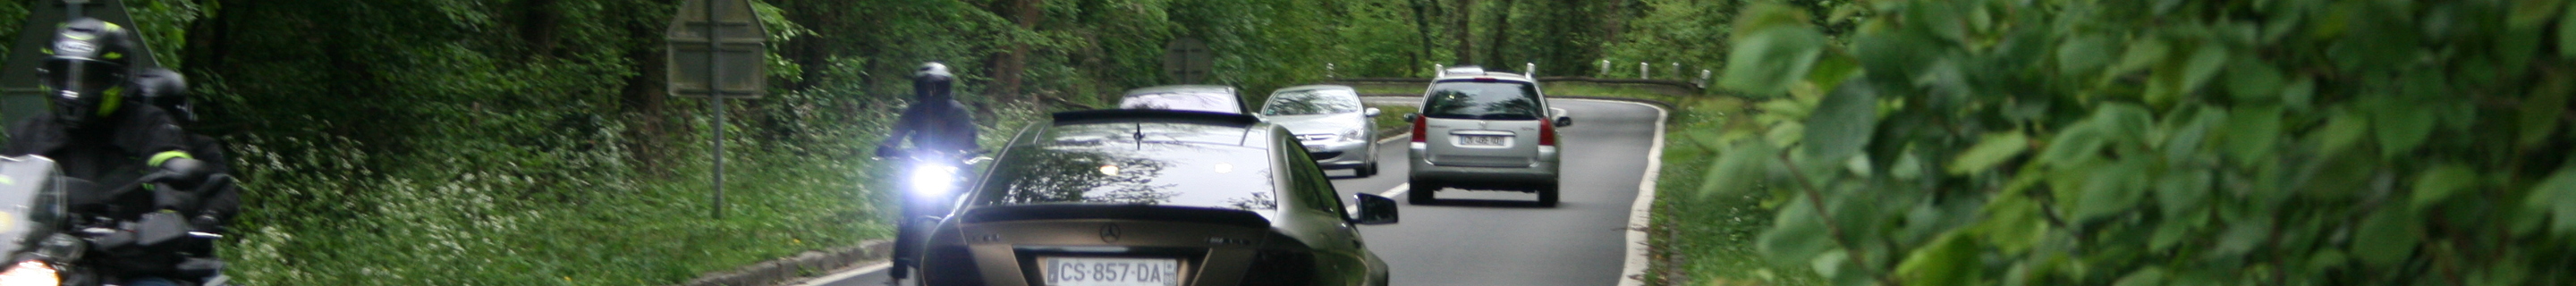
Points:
(935, 122)
(119, 150)
(128, 144)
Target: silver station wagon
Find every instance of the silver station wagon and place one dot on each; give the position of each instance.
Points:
(1484, 130)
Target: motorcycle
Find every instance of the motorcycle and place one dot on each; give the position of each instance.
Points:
(932, 183)
(50, 245)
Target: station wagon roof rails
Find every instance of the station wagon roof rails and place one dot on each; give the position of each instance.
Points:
(1152, 115)
(1463, 70)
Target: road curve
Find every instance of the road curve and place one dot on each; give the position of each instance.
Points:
(1502, 238)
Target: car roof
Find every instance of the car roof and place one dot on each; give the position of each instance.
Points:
(1314, 87)
(1505, 76)
(1185, 88)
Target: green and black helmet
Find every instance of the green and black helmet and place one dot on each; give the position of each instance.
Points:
(87, 68)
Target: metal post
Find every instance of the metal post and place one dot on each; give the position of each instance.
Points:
(1439, 69)
(715, 94)
(1529, 70)
(1677, 68)
(1605, 69)
(1641, 70)
(1703, 79)
(1328, 71)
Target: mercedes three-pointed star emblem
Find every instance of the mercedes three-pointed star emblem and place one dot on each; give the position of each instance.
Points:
(1109, 233)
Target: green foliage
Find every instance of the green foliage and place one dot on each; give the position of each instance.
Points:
(2284, 142)
(528, 142)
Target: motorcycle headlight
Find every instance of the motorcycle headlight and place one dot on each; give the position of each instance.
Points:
(30, 273)
(928, 179)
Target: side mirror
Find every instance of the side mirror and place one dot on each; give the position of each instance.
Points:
(1409, 117)
(1562, 121)
(1372, 112)
(1374, 210)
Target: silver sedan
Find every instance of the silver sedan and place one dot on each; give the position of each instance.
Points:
(1329, 120)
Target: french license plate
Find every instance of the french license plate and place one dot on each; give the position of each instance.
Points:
(1475, 140)
(1084, 271)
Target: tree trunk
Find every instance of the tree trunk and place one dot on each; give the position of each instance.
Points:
(1422, 26)
(1466, 49)
(1502, 35)
(1013, 64)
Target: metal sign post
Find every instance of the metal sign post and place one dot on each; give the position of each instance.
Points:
(703, 37)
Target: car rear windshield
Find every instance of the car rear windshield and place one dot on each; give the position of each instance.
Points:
(1482, 100)
(1311, 102)
(1119, 169)
(1208, 102)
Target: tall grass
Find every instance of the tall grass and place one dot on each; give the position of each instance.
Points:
(483, 213)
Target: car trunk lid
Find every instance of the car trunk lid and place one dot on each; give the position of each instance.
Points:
(1111, 244)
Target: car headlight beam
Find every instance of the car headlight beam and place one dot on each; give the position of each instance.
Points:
(31, 273)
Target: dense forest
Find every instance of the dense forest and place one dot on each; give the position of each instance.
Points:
(526, 142)
(518, 142)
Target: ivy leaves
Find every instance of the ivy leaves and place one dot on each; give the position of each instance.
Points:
(2249, 142)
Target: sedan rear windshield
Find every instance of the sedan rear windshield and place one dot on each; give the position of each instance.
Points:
(1482, 100)
(1312, 102)
(1112, 170)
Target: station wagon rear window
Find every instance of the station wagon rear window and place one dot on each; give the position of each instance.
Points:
(1482, 100)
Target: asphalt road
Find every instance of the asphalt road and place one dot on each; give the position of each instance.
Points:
(1501, 238)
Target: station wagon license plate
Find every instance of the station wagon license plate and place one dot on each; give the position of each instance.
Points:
(1086, 271)
(1476, 140)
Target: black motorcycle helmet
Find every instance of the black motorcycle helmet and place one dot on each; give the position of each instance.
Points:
(168, 90)
(933, 82)
(86, 69)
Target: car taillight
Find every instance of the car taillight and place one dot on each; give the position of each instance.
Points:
(1546, 133)
(1281, 268)
(1421, 129)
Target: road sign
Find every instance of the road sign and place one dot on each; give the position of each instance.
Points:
(735, 36)
(19, 95)
(1188, 60)
(716, 51)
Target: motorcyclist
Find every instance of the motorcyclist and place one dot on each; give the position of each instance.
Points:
(168, 90)
(95, 134)
(936, 125)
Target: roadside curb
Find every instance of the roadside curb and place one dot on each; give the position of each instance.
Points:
(793, 269)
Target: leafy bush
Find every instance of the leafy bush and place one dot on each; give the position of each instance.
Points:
(2164, 142)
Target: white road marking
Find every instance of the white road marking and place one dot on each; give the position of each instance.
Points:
(1398, 190)
(1641, 213)
(845, 275)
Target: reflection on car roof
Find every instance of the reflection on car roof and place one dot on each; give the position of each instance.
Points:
(1107, 134)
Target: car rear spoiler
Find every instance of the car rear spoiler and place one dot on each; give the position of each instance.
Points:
(1215, 216)
(1151, 115)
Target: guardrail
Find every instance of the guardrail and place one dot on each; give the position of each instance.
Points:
(1667, 87)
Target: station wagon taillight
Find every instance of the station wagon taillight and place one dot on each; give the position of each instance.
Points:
(1421, 129)
(1546, 133)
